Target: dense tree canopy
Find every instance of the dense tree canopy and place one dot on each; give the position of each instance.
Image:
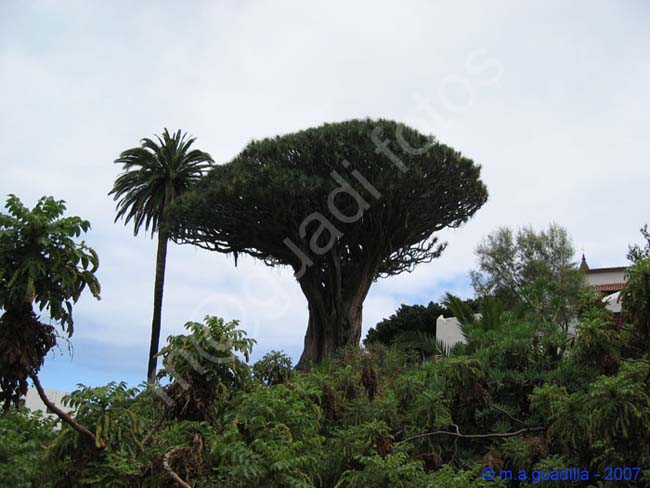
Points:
(342, 204)
(407, 318)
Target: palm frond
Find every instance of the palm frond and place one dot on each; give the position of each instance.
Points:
(154, 174)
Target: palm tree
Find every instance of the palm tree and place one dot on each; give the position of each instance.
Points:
(155, 174)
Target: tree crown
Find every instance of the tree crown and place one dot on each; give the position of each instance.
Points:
(362, 195)
(531, 268)
(155, 173)
(407, 318)
(41, 262)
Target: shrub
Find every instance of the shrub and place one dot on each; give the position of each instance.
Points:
(204, 366)
(273, 369)
(25, 436)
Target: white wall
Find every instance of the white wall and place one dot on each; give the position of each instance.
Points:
(448, 330)
(33, 401)
(605, 278)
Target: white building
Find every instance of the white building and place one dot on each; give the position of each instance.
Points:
(448, 330)
(607, 281)
(34, 402)
(604, 280)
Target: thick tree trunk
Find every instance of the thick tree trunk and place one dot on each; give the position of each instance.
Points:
(334, 321)
(159, 285)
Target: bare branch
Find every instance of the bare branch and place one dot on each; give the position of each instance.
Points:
(60, 413)
(472, 436)
(154, 429)
(168, 469)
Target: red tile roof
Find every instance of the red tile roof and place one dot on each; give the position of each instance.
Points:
(610, 287)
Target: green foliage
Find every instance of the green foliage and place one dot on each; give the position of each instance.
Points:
(284, 201)
(107, 410)
(635, 299)
(273, 369)
(413, 328)
(288, 176)
(41, 262)
(531, 271)
(427, 346)
(547, 464)
(597, 426)
(519, 395)
(489, 316)
(461, 478)
(205, 365)
(209, 351)
(114, 414)
(155, 174)
(636, 252)
(321, 429)
(25, 436)
(523, 452)
(407, 318)
(598, 345)
(393, 470)
(270, 438)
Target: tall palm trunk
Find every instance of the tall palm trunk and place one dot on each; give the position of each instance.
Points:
(161, 260)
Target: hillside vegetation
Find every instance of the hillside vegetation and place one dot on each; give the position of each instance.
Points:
(519, 395)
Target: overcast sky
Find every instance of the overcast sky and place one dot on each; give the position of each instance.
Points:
(551, 98)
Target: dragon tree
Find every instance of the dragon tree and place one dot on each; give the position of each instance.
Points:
(341, 204)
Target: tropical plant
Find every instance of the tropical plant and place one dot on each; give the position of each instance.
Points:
(508, 401)
(489, 315)
(520, 397)
(393, 470)
(273, 369)
(113, 455)
(270, 438)
(595, 426)
(155, 174)
(25, 437)
(425, 346)
(205, 366)
(275, 199)
(41, 264)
